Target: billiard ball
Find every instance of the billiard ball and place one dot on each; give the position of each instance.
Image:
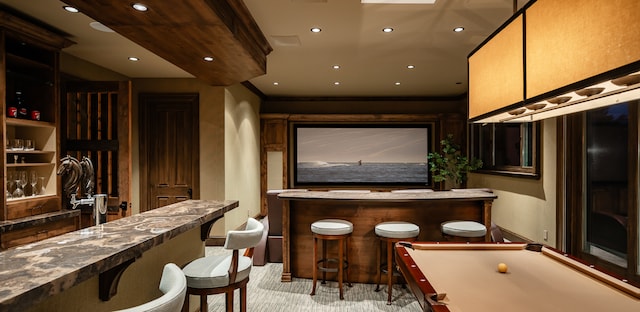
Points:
(502, 268)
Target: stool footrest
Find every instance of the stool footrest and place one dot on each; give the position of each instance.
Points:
(383, 269)
(323, 268)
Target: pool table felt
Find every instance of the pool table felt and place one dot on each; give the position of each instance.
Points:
(534, 282)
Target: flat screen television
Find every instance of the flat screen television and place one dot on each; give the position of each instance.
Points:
(360, 155)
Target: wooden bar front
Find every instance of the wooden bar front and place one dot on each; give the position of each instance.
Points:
(365, 210)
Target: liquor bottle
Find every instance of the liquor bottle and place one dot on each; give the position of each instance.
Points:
(23, 112)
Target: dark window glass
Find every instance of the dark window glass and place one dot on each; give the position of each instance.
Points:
(607, 183)
(506, 147)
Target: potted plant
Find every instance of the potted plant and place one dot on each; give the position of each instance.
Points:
(450, 167)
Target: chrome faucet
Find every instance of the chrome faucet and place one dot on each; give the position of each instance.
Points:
(98, 201)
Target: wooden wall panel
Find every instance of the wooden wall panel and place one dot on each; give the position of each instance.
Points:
(568, 41)
(496, 71)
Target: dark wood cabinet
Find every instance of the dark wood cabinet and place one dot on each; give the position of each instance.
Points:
(29, 83)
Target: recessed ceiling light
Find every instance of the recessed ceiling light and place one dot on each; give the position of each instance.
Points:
(335, 66)
(387, 29)
(71, 9)
(337, 83)
(140, 7)
(208, 58)
(397, 83)
(133, 59)
(411, 66)
(316, 29)
(458, 29)
(275, 83)
(100, 27)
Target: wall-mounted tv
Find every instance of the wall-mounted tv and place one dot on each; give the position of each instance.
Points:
(361, 154)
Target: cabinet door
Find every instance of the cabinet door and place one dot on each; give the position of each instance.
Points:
(39, 232)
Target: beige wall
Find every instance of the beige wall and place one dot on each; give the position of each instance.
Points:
(242, 153)
(527, 207)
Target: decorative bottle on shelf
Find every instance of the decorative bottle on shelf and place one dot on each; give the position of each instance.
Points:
(12, 110)
(23, 112)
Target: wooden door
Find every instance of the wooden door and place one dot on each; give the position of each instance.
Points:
(169, 149)
(95, 123)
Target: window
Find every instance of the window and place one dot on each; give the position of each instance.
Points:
(507, 148)
(601, 181)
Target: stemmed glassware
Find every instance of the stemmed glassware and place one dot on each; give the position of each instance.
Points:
(33, 180)
(21, 181)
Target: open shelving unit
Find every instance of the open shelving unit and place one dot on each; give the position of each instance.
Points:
(31, 66)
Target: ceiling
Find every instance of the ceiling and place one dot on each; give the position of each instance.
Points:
(372, 63)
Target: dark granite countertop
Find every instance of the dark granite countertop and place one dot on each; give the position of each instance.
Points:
(12, 225)
(460, 194)
(32, 272)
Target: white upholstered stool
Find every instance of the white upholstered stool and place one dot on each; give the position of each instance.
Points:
(331, 230)
(463, 230)
(390, 233)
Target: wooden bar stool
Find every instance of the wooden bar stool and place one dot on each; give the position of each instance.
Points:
(390, 233)
(463, 231)
(331, 230)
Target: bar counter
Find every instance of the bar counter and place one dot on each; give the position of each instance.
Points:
(33, 273)
(365, 210)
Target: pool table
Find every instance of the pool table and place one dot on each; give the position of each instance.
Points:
(465, 277)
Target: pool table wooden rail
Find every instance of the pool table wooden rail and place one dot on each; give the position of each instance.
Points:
(431, 300)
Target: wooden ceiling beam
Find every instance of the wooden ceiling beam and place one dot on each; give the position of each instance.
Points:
(183, 32)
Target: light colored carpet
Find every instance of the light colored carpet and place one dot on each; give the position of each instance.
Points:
(265, 292)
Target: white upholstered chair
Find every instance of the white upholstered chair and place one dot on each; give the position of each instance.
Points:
(173, 285)
(218, 274)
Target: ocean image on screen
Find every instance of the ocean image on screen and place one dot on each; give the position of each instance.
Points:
(362, 155)
(356, 172)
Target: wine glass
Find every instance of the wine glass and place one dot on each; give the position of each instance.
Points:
(18, 192)
(22, 182)
(33, 180)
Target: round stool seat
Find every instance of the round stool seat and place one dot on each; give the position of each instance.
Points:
(464, 228)
(332, 227)
(397, 229)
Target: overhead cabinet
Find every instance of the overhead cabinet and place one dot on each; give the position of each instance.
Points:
(562, 47)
